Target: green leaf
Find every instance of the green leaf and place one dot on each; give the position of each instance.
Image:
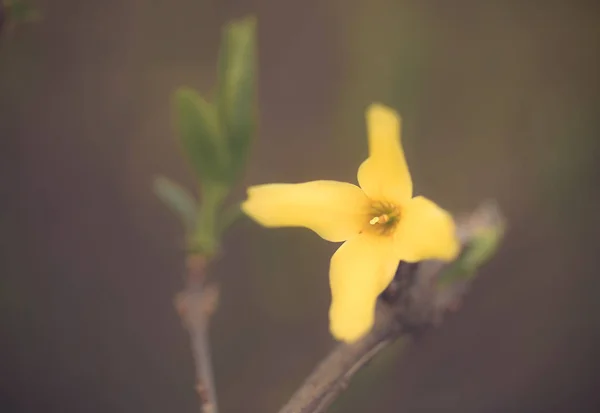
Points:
(178, 199)
(206, 235)
(477, 252)
(237, 88)
(482, 248)
(201, 136)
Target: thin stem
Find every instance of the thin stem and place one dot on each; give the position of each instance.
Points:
(196, 305)
(332, 376)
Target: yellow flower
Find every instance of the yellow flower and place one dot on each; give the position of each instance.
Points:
(380, 222)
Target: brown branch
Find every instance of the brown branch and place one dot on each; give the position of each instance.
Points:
(195, 306)
(412, 304)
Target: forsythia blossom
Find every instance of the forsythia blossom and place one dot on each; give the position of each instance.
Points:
(380, 222)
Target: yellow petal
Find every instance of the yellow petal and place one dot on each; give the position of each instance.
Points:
(425, 231)
(334, 210)
(384, 176)
(360, 270)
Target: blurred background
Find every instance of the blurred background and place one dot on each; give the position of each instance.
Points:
(499, 100)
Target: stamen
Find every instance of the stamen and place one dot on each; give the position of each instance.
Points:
(382, 219)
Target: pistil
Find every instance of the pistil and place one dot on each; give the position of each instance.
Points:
(384, 217)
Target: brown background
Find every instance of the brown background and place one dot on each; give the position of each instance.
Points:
(499, 99)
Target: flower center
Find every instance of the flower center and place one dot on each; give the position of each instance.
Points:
(383, 218)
